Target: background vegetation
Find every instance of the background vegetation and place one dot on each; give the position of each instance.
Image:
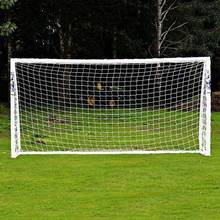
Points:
(107, 29)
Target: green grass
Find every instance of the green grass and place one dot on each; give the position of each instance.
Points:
(122, 129)
(127, 187)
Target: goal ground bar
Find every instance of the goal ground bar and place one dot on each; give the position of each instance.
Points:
(110, 152)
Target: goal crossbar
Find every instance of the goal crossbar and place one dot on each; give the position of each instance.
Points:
(111, 61)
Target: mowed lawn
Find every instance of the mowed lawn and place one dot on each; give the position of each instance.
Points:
(109, 186)
(108, 129)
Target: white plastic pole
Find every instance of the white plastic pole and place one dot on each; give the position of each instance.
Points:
(15, 122)
(112, 61)
(113, 152)
(205, 111)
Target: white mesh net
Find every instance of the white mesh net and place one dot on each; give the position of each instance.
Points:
(109, 107)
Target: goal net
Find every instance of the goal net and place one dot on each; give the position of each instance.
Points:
(110, 106)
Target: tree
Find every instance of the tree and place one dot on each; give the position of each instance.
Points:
(202, 30)
(7, 28)
(202, 33)
(163, 26)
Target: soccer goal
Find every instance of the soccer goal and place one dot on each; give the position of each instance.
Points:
(128, 106)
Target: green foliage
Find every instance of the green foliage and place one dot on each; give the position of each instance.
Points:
(7, 4)
(202, 31)
(107, 29)
(88, 29)
(7, 29)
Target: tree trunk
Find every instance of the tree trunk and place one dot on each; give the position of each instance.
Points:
(9, 48)
(62, 47)
(158, 27)
(65, 53)
(114, 43)
(65, 43)
(69, 42)
(9, 56)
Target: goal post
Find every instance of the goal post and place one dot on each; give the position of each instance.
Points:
(14, 113)
(205, 110)
(115, 106)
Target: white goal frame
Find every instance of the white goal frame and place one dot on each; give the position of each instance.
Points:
(205, 105)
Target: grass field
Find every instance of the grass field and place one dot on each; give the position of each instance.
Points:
(111, 186)
(81, 129)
